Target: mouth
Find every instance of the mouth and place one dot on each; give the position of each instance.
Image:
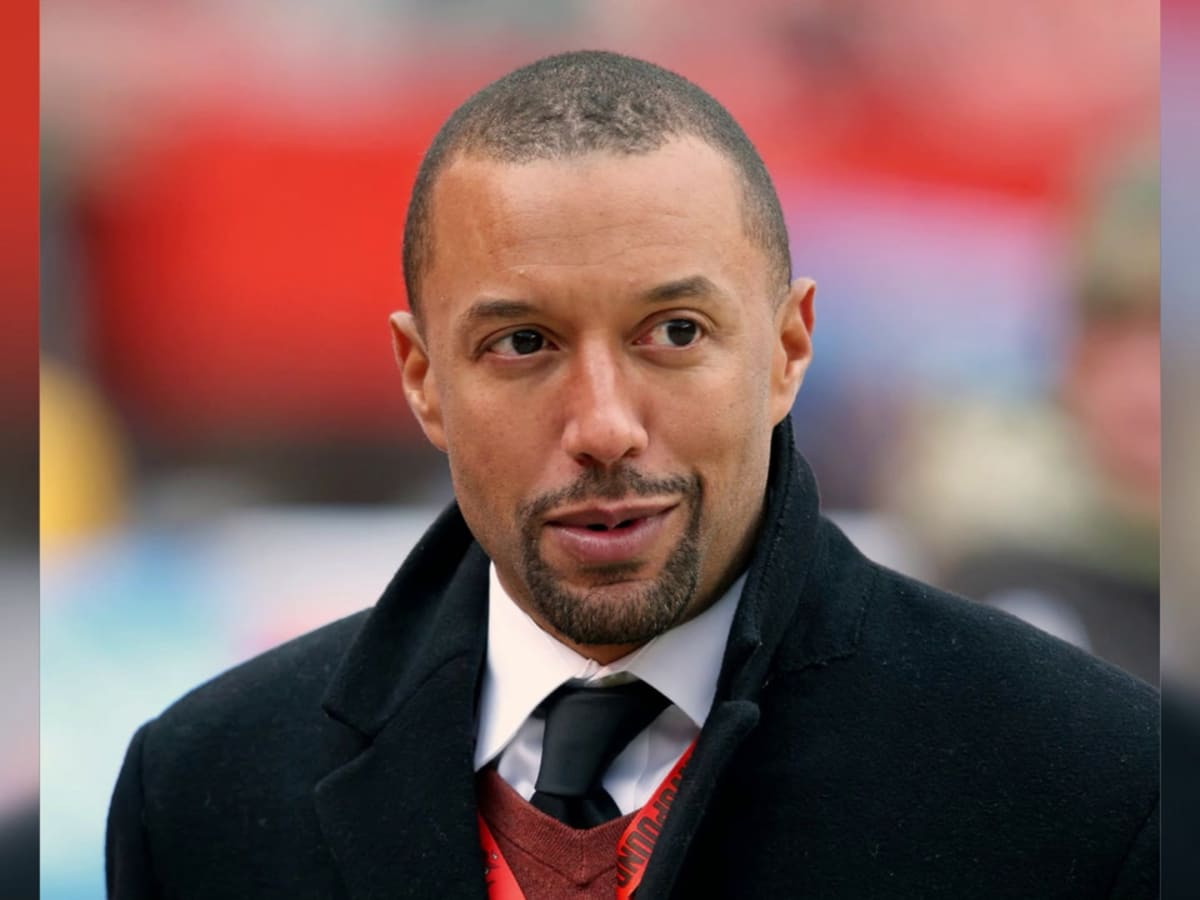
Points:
(605, 517)
(610, 533)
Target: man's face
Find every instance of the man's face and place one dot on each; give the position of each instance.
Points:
(603, 359)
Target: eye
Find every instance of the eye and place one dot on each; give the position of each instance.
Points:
(523, 342)
(673, 333)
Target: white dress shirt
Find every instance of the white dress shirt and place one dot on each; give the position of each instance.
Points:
(525, 665)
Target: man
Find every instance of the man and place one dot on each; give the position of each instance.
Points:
(632, 654)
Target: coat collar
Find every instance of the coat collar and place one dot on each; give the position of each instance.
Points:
(779, 567)
(400, 817)
(791, 614)
(433, 611)
(435, 608)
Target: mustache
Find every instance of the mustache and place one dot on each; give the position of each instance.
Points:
(611, 484)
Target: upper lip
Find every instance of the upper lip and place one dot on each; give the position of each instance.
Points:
(610, 515)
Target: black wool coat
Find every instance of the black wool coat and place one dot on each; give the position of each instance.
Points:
(871, 737)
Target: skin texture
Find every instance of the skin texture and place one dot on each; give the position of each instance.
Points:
(596, 264)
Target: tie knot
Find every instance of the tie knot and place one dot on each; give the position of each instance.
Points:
(586, 729)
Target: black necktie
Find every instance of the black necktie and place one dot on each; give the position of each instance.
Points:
(586, 729)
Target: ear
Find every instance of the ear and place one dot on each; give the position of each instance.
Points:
(793, 346)
(420, 386)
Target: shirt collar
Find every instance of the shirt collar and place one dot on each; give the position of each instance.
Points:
(525, 664)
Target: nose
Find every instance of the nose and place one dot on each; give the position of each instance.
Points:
(603, 425)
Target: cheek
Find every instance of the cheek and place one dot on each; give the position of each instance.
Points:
(484, 490)
(479, 439)
(723, 433)
(496, 453)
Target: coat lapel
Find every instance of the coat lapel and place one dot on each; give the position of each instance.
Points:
(727, 726)
(400, 816)
(782, 597)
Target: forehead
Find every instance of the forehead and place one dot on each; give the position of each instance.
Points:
(596, 222)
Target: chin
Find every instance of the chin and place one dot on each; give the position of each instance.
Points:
(619, 610)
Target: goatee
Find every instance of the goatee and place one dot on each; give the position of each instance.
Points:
(604, 614)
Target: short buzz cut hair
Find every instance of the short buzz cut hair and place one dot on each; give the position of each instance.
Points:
(583, 102)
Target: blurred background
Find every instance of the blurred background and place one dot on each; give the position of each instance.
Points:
(226, 456)
(1181, 449)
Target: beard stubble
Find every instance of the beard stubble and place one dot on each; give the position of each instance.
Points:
(594, 616)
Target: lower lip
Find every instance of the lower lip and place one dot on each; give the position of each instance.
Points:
(617, 545)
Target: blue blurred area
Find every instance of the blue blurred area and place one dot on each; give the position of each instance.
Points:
(932, 287)
(113, 653)
(133, 621)
(919, 293)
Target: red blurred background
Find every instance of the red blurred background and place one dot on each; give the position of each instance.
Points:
(229, 185)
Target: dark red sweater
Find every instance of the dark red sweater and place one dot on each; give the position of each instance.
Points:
(550, 860)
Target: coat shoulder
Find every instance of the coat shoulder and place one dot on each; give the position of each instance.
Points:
(948, 675)
(949, 645)
(279, 689)
(217, 790)
(919, 735)
(940, 638)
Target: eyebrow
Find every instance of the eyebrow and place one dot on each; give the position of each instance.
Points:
(500, 308)
(482, 310)
(692, 286)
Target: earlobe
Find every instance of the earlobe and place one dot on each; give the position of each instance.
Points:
(420, 385)
(793, 349)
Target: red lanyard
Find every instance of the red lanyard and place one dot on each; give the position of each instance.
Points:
(633, 850)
